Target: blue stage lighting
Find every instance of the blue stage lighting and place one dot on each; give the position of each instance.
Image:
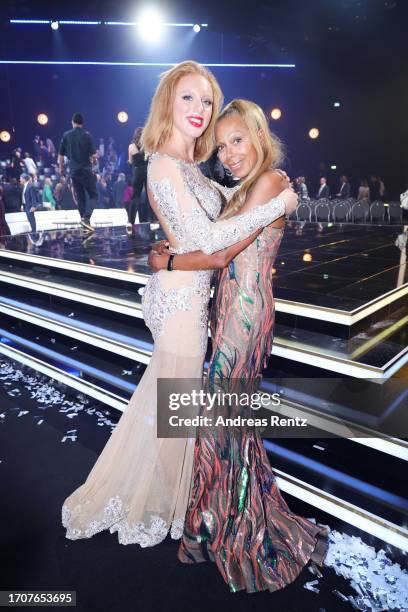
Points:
(54, 25)
(196, 28)
(152, 64)
(68, 22)
(32, 21)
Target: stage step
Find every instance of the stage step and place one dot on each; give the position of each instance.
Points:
(377, 353)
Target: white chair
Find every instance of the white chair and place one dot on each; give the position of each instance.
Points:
(18, 223)
(103, 217)
(56, 219)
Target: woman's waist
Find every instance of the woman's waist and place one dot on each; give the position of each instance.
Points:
(178, 279)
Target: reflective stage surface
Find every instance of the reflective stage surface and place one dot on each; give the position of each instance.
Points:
(332, 266)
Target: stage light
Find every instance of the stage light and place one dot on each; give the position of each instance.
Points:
(54, 25)
(132, 64)
(150, 25)
(333, 167)
(307, 257)
(336, 105)
(42, 119)
(5, 136)
(314, 133)
(196, 28)
(122, 117)
(276, 113)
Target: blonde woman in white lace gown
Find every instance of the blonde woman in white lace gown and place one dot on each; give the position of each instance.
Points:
(140, 484)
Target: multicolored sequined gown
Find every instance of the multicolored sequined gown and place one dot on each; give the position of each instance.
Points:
(140, 484)
(236, 515)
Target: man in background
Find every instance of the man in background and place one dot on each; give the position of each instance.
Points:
(324, 191)
(29, 199)
(77, 145)
(344, 192)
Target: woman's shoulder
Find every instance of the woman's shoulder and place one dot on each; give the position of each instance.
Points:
(269, 179)
(267, 185)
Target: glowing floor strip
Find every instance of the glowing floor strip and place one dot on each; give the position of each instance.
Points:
(279, 348)
(346, 512)
(340, 477)
(147, 64)
(142, 352)
(71, 381)
(78, 366)
(382, 529)
(312, 311)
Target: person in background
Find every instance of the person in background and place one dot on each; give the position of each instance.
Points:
(374, 188)
(101, 148)
(381, 189)
(44, 156)
(103, 193)
(51, 148)
(17, 164)
(36, 147)
(77, 145)
(303, 192)
(64, 194)
(29, 199)
(344, 192)
(363, 190)
(324, 190)
(136, 158)
(47, 196)
(127, 195)
(31, 166)
(11, 196)
(4, 228)
(118, 190)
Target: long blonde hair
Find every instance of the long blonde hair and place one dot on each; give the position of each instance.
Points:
(268, 147)
(159, 123)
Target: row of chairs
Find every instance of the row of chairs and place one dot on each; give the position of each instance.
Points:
(64, 219)
(348, 211)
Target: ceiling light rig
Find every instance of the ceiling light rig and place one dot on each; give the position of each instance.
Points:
(55, 23)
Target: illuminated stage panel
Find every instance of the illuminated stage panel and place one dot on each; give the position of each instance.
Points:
(335, 273)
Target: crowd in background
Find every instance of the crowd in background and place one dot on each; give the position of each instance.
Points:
(372, 189)
(56, 192)
(115, 179)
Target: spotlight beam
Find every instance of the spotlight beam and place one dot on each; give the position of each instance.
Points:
(109, 23)
(154, 64)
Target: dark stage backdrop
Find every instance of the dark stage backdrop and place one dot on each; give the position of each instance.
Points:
(367, 134)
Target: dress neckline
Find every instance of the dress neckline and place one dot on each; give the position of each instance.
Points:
(177, 159)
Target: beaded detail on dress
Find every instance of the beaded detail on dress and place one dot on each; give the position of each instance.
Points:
(173, 300)
(114, 520)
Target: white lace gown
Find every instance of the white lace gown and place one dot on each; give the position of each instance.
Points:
(140, 484)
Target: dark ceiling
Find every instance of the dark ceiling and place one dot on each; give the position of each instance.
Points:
(327, 30)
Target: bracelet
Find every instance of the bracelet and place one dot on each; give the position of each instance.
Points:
(170, 263)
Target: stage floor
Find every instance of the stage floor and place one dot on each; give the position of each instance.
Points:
(335, 267)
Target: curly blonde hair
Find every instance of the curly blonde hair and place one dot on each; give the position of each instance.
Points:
(268, 147)
(157, 130)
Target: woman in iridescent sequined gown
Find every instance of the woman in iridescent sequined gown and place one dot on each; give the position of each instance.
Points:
(236, 515)
(139, 485)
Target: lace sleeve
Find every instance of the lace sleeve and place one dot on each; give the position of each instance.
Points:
(188, 220)
(227, 192)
